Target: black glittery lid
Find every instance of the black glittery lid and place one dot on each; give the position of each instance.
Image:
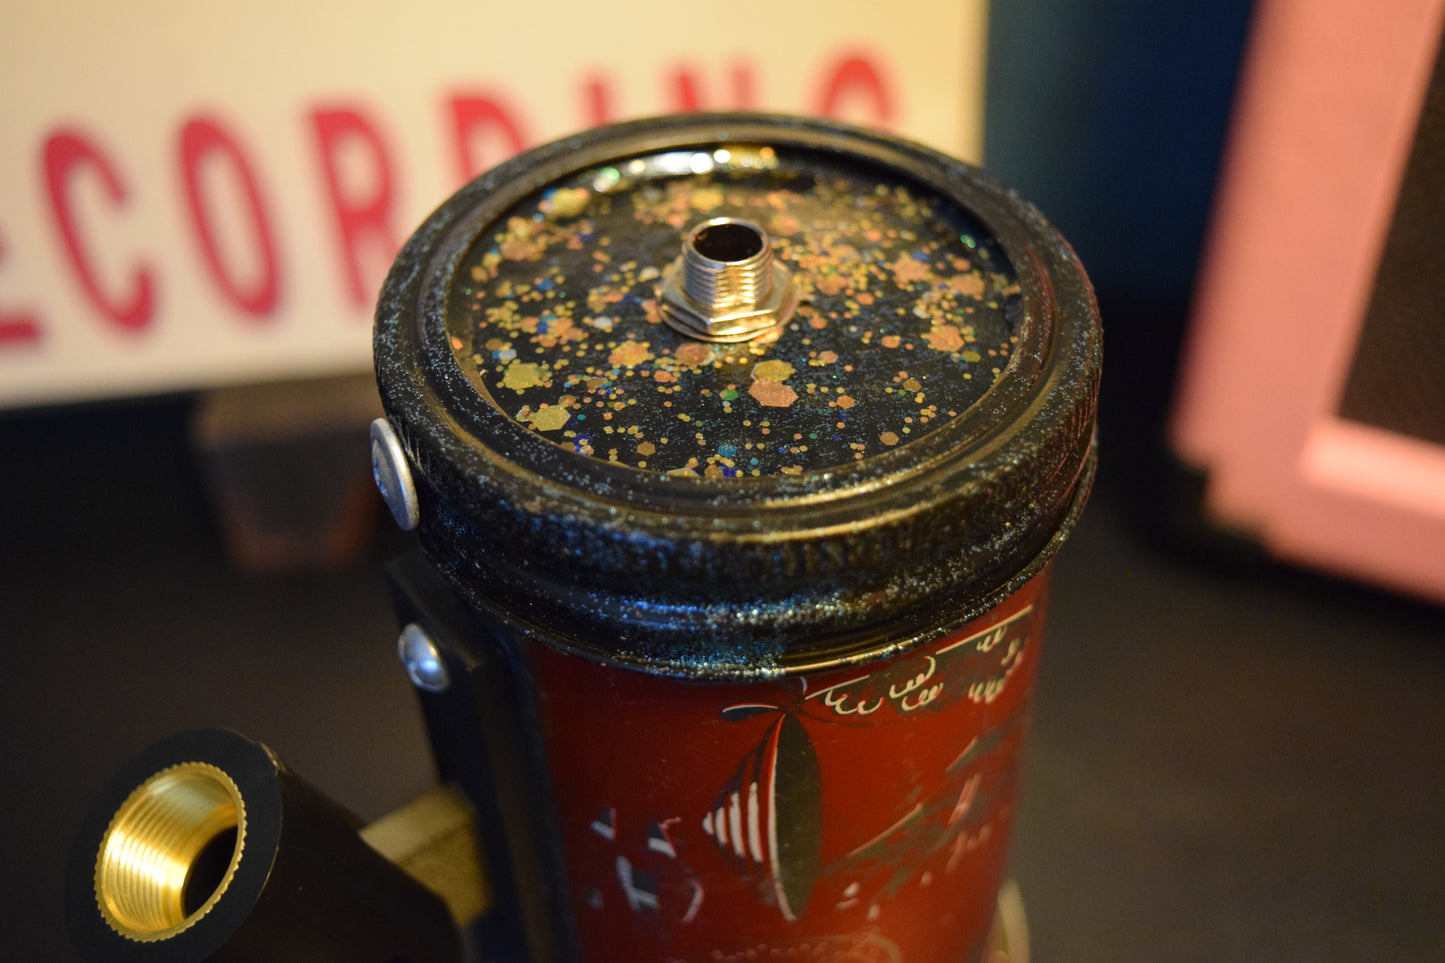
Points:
(908, 314)
(910, 444)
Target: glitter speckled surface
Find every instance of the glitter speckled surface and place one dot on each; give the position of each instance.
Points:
(908, 315)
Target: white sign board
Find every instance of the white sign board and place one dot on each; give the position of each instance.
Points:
(196, 193)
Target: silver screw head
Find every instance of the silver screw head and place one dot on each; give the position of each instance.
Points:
(392, 473)
(421, 659)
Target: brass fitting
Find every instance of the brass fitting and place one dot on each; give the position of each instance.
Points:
(206, 847)
(170, 852)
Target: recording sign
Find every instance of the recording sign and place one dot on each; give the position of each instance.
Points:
(199, 194)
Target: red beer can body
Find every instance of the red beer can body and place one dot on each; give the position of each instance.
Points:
(853, 814)
(747, 441)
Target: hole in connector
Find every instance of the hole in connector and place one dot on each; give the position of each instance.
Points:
(728, 241)
(208, 870)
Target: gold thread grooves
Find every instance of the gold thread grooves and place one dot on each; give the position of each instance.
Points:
(152, 847)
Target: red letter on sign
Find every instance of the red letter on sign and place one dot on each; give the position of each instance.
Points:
(687, 97)
(16, 328)
(475, 115)
(363, 213)
(851, 76)
(67, 153)
(597, 94)
(201, 139)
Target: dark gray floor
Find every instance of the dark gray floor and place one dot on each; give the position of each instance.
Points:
(1232, 766)
(1224, 765)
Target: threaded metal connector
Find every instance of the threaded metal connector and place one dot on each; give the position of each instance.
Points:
(726, 287)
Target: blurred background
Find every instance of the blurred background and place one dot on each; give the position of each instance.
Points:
(1238, 730)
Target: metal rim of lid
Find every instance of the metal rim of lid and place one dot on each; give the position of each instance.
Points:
(650, 561)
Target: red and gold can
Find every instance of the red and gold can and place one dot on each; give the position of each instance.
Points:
(738, 447)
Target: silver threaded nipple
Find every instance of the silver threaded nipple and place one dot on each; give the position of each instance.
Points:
(726, 286)
(727, 264)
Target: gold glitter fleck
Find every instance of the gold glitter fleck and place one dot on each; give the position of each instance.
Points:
(888, 438)
(550, 418)
(969, 285)
(630, 353)
(944, 337)
(785, 224)
(906, 269)
(524, 374)
(706, 198)
(646, 448)
(777, 371)
(772, 394)
(845, 402)
(693, 353)
(523, 248)
(569, 203)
